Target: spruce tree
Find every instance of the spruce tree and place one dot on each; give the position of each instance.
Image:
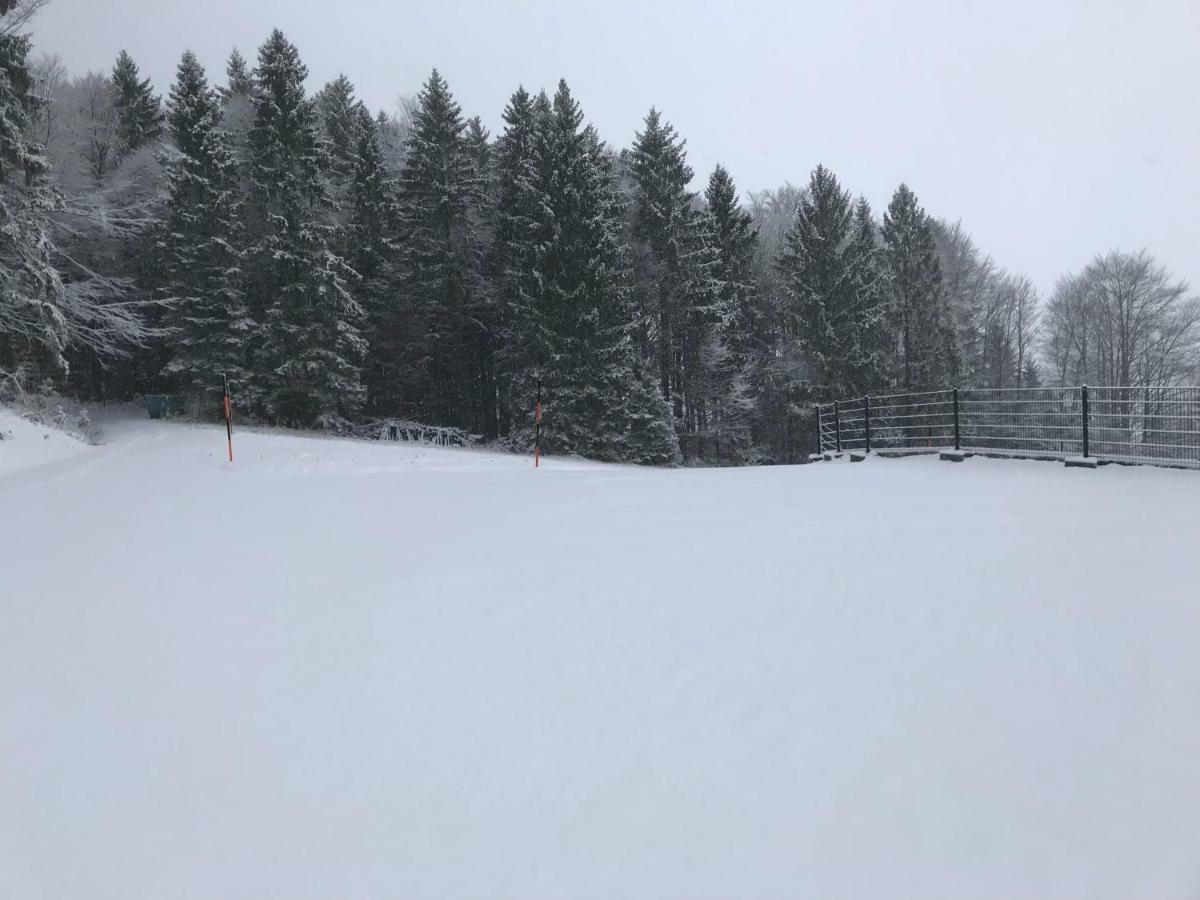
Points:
(33, 330)
(200, 247)
(521, 233)
(864, 259)
(339, 113)
(371, 248)
(926, 353)
(481, 339)
(479, 152)
(741, 324)
(832, 317)
(238, 82)
(440, 267)
(137, 108)
(598, 401)
(308, 369)
(676, 291)
(237, 111)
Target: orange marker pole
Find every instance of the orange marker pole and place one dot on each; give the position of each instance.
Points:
(228, 417)
(537, 428)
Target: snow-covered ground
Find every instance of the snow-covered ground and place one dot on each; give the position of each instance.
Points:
(344, 670)
(25, 444)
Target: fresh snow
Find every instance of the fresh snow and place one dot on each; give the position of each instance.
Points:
(336, 669)
(25, 444)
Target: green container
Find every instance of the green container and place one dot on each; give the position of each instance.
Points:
(159, 406)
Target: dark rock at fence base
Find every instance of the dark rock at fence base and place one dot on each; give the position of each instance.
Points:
(857, 457)
(952, 455)
(1081, 462)
(817, 457)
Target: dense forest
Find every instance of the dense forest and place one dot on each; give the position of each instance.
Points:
(341, 265)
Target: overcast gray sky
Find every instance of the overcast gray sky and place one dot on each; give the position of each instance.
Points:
(1053, 129)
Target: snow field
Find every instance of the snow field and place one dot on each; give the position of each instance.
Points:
(339, 669)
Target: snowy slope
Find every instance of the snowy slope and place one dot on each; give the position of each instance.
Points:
(25, 445)
(342, 670)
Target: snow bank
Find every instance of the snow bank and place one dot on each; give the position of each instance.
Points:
(337, 669)
(25, 444)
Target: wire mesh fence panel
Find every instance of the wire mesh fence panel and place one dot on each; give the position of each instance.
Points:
(1145, 424)
(852, 415)
(1139, 424)
(1022, 421)
(917, 421)
(827, 428)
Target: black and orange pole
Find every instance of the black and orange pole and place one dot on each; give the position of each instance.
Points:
(537, 428)
(228, 417)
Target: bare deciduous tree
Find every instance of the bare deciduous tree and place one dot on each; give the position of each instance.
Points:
(16, 14)
(1123, 320)
(996, 313)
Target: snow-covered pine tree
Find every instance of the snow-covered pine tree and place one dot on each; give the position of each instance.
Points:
(479, 152)
(138, 109)
(371, 248)
(391, 134)
(521, 233)
(926, 347)
(238, 82)
(338, 113)
(481, 339)
(200, 247)
(831, 316)
(33, 330)
(676, 292)
(864, 259)
(439, 267)
(338, 110)
(308, 369)
(237, 111)
(740, 328)
(598, 401)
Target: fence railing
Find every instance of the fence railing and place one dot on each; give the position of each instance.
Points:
(1157, 425)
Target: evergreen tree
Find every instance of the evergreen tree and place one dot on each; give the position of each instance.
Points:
(339, 113)
(200, 246)
(926, 350)
(479, 152)
(833, 317)
(237, 112)
(33, 330)
(309, 366)
(371, 249)
(137, 108)
(238, 82)
(676, 291)
(865, 267)
(481, 339)
(598, 401)
(520, 236)
(440, 268)
(741, 325)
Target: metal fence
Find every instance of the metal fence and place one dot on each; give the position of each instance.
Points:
(1155, 425)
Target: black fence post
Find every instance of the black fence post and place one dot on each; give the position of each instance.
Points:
(957, 440)
(837, 423)
(1084, 393)
(867, 419)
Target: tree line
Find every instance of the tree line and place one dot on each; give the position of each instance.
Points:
(341, 265)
